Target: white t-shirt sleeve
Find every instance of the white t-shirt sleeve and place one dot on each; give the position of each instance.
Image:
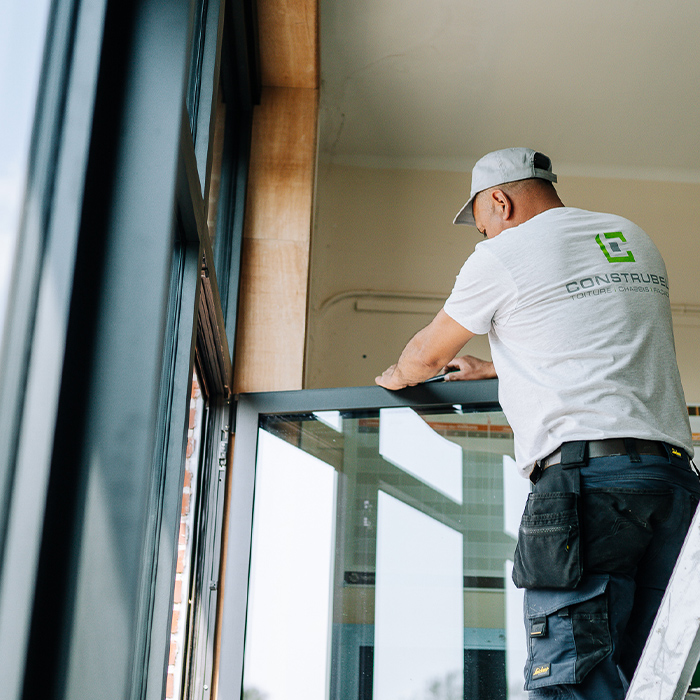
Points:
(484, 294)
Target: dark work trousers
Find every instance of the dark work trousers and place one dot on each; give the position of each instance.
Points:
(585, 643)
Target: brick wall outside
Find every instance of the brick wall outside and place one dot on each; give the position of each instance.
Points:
(184, 553)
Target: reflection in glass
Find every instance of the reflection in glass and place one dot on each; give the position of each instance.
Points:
(22, 36)
(407, 441)
(419, 617)
(288, 632)
(332, 419)
(409, 572)
(515, 491)
(516, 649)
(182, 594)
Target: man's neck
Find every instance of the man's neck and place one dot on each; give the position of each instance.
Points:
(532, 208)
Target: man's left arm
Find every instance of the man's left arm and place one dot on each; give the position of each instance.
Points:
(426, 353)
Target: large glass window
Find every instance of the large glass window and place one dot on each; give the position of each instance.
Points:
(22, 35)
(195, 594)
(99, 346)
(381, 554)
(186, 539)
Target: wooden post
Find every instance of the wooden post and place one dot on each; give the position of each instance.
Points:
(277, 235)
(271, 333)
(276, 244)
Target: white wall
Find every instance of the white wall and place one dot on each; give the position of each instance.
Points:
(385, 239)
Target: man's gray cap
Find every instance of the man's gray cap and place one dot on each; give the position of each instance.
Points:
(499, 167)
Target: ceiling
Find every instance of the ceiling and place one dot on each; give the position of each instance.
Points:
(605, 88)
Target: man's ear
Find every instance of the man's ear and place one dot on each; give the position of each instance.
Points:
(502, 204)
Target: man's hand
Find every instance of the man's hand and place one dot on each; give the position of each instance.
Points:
(468, 367)
(390, 378)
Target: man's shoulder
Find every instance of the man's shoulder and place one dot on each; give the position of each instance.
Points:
(558, 215)
(588, 215)
(565, 239)
(570, 223)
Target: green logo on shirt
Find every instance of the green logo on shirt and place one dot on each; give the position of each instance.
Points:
(611, 248)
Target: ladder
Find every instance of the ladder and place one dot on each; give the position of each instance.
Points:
(672, 651)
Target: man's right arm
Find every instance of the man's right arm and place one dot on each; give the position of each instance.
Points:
(426, 353)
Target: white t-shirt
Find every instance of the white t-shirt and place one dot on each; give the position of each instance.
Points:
(577, 310)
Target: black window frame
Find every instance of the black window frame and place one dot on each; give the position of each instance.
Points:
(479, 395)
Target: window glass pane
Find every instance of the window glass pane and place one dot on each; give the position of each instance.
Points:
(695, 426)
(22, 36)
(419, 569)
(291, 576)
(195, 78)
(422, 605)
(411, 444)
(215, 174)
(186, 544)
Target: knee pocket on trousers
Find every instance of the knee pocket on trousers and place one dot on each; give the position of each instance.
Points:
(568, 632)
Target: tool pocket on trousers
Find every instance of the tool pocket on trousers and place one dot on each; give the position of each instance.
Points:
(568, 632)
(548, 553)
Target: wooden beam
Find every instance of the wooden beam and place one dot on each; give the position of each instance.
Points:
(289, 43)
(282, 165)
(275, 262)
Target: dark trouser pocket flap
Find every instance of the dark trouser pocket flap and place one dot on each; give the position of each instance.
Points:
(568, 632)
(547, 602)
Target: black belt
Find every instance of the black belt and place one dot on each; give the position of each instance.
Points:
(613, 447)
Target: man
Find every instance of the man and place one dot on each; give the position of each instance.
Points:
(577, 310)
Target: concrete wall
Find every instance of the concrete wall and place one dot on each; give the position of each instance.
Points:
(385, 254)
